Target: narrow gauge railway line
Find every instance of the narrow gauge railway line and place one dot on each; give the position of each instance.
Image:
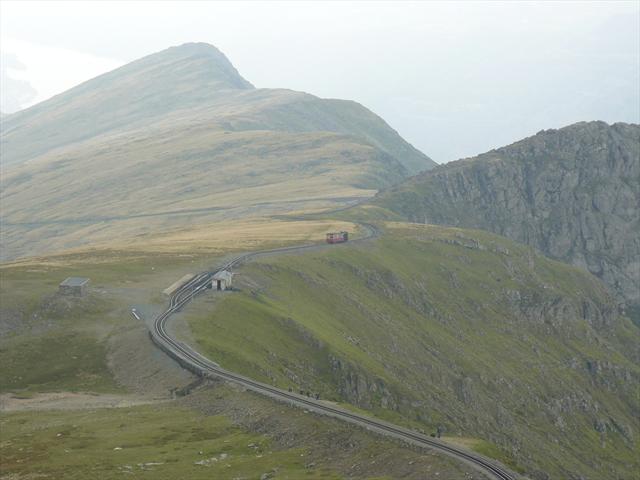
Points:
(202, 366)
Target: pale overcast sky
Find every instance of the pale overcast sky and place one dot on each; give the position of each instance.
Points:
(454, 78)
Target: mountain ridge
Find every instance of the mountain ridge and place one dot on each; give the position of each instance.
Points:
(182, 131)
(570, 192)
(153, 71)
(190, 76)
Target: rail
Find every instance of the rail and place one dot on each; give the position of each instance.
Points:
(202, 366)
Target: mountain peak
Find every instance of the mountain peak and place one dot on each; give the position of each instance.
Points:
(196, 81)
(176, 78)
(195, 60)
(195, 48)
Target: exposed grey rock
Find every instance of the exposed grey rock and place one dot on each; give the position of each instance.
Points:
(572, 193)
(359, 389)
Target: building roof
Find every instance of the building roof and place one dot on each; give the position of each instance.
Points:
(225, 275)
(74, 282)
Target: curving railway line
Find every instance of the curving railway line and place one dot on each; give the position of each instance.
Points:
(202, 366)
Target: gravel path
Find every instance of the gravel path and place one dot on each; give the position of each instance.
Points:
(70, 401)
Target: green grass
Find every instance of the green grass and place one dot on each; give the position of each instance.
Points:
(487, 449)
(160, 442)
(56, 343)
(420, 327)
(58, 361)
(64, 347)
(439, 326)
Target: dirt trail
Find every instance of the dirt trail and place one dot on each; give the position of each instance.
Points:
(70, 401)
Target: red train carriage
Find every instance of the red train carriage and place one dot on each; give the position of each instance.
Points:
(337, 237)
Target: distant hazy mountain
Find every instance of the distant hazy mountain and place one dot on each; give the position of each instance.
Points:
(180, 131)
(181, 79)
(177, 78)
(573, 193)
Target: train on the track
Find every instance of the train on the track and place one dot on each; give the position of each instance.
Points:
(337, 237)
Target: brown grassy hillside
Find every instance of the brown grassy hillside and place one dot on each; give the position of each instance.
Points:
(179, 138)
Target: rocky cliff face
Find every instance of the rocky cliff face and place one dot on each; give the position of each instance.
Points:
(573, 193)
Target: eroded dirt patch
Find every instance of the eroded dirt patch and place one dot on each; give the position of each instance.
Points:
(70, 401)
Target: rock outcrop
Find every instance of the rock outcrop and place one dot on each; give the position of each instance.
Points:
(573, 193)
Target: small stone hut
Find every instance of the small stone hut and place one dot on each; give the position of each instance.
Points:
(223, 280)
(76, 286)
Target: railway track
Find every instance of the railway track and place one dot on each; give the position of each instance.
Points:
(204, 367)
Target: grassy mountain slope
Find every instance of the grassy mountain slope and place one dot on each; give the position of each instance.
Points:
(573, 193)
(191, 78)
(217, 432)
(50, 343)
(180, 138)
(157, 441)
(177, 78)
(209, 176)
(80, 334)
(440, 326)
